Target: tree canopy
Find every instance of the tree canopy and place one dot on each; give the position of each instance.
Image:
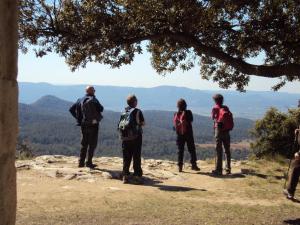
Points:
(274, 133)
(221, 36)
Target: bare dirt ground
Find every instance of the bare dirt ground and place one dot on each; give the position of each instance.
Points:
(51, 190)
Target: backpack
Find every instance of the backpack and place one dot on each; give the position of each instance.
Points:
(180, 123)
(128, 127)
(90, 115)
(225, 119)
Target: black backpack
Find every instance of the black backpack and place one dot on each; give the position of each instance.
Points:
(127, 126)
(90, 115)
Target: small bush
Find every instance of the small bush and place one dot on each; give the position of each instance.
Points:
(24, 151)
(274, 134)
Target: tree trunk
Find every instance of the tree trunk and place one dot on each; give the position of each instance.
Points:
(8, 109)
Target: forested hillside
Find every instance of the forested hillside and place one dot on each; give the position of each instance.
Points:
(49, 129)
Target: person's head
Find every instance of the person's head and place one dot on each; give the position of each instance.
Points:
(218, 98)
(181, 104)
(90, 90)
(132, 101)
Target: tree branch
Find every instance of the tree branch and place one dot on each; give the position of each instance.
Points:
(270, 71)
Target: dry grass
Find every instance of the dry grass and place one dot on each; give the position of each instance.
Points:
(255, 198)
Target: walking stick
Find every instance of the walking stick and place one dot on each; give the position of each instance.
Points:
(224, 160)
(215, 150)
(290, 162)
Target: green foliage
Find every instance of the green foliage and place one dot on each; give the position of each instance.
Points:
(219, 35)
(24, 150)
(275, 133)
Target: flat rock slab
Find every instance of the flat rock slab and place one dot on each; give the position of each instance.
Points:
(65, 167)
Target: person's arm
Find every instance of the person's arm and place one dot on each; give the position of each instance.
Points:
(214, 113)
(140, 118)
(73, 109)
(189, 116)
(99, 107)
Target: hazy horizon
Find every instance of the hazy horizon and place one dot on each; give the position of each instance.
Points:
(139, 74)
(163, 85)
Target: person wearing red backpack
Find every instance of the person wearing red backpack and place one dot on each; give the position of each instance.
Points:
(223, 124)
(182, 121)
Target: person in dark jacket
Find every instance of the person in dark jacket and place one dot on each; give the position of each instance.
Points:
(132, 147)
(183, 120)
(295, 169)
(88, 113)
(294, 173)
(222, 137)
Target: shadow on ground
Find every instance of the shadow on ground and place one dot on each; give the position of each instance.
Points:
(265, 176)
(225, 176)
(157, 183)
(147, 181)
(294, 221)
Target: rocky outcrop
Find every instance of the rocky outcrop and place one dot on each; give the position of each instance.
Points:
(64, 167)
(8, 110)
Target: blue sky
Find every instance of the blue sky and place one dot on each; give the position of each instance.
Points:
(52, 69)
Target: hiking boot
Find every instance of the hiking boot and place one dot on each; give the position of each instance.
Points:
(195, 167)
(288, 195)
(125, 179)
(228, 171)
(217, 172)
(180, 169)
(90, 165)
(80, 165)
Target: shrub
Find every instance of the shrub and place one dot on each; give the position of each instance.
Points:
(274, 133)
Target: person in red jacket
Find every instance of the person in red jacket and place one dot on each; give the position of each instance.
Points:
(223, 123)
(183, 119)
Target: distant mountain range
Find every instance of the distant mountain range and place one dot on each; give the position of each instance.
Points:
(50, 129)
(251, 104)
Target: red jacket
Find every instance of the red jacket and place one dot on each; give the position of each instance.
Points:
(215, 114)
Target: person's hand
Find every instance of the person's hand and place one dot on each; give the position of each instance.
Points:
(297, 156)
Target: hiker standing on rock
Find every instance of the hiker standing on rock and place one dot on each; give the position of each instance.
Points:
(88, 113)
(295, 169)
(223, 124)
(182, 120)
(130, 128)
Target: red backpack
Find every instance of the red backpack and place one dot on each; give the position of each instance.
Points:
(180, 123)
(225, 117)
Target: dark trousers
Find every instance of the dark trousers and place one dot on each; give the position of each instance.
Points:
(294, 176)
(189, 140)
(132, 151)
(222, 139)
(89, 140)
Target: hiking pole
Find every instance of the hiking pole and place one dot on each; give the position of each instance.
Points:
(215, 150)
(224, 159)
(290, 162)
